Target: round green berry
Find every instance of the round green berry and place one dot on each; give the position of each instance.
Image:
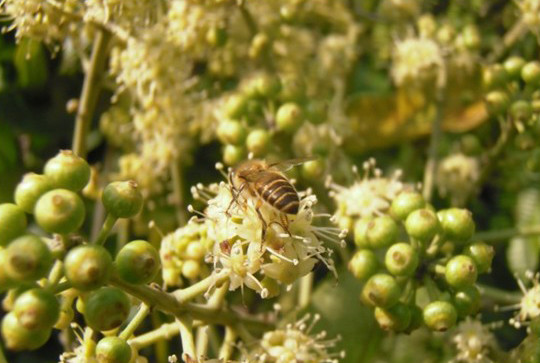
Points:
(360, 232)
(137, 262)
(401, 259)
(406, 203)
(12, 222)
(113, 350)
(106, 308)
(231, 132)
(258, 142)
(530, 73)
(422, 224)
(67, 171)
(497, 102)
(382, 231)
(122, 199)
(5, 281)
(60, 211)
(363, 264)
(30, 189)
(233, 154)
(494, 76)
(28, 258)
(397, 318)
(313, 169)
(17, 337)
(267, 86)
(521, 110)
(88, 267)
(37, 309)
(440, 315)
(461, 272)
(289, 116)
(482, 254)
(457, 224)
(467, 301)
(381, 290)
(513, 66)
(235, 106)
(316, 112)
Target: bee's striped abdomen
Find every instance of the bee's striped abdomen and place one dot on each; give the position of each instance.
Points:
(277, 191)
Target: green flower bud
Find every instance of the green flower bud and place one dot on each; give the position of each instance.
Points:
(382, 231)
(231, 132)
(381, 290)
(406, 203)
(137, 262)
(30, 189)
(67, 171)
(363, 264)
(12, 222)
(60, 211)
(37, 309)
(457, 224)
(28, 258)
(497, 102)
(258, 142)
(360, 232)
(88, 267)
(289, 116)
(191, 269)
(461, 272)
(17, 337)
(397, 318)
(521, 110)
(113, 350)
(530, 73)
(122, 199)
(106, 308)
(482, 255)
(513, 66)
(440, 316)
(401, 259)
(467, 301)
(422, 224)
(235, 106)
(233, 155)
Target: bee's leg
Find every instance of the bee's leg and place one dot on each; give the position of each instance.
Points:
(264, 224)
(235, 194)
(284, 223)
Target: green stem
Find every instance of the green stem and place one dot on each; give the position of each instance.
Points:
(432, 289)
(165, 332)
(61, 287)
(57, 272)
(106, 229)
(201, 341)
(500, 296)
(227, 347)
(199, 288)
(248, 18)
(178, 192)
(507, 233)
(90, 92)
(304, 293)
(185, 323)
(135, 322)
(2, 356)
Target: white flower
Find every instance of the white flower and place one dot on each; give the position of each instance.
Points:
(457, 175)
(473, 341)
(529, 306)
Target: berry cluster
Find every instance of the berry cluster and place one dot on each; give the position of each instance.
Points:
(43, 276)
(418, 264)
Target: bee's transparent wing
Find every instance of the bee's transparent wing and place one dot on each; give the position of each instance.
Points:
(285, 165)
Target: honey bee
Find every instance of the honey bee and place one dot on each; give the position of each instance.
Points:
(266, 182)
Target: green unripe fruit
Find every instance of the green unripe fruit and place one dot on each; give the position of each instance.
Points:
(406, 203)
(17, 337)
(12, 222)
(289, 116)
(494, 76)
(457, 224)
(382, 231)
(137, 262)
(440, 316)
(122, 199)
(360, 232)
(467, 301)
(497, 102)
(60, 211)
(422, 224)
(470, 145)
(293, 88)
(397, 318)
(235, 106)
(67, 171)
(363, 264)
(513, 66)
(482, 255)
(521, 110)
(216, 36)
(461, 272)
(381, 290)
(233, 155)
(28, 258)
(316, 112)
(258, 142)
(313, 169)
(37, 309)
(113, 350)
(231, 132)
(267, 86)
(88, 267)
(5, 281)
(401, 259)
(30, 189)
(106, 309)
(530, 73)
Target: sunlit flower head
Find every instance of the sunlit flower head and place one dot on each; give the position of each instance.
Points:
(456, 177)
(473, 342)
(529, 306)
